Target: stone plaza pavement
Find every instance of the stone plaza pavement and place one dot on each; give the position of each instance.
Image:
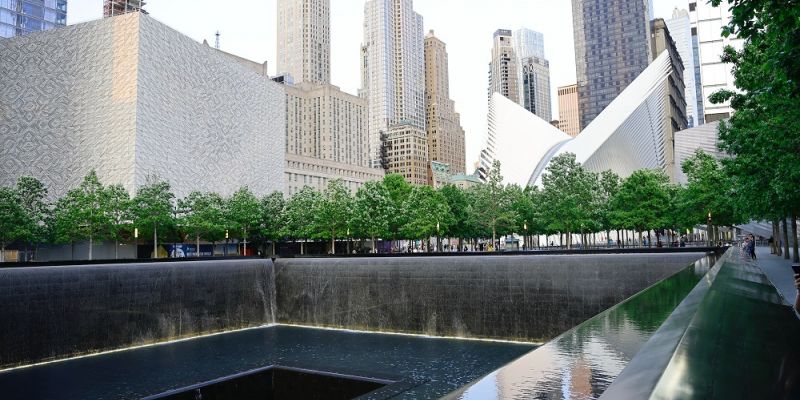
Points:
(779, 272)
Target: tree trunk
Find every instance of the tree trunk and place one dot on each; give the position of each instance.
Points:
(494, 238)
(2, 251)
(197, 250)
(776, 237)
(795, 257)
(72, 250)
(333, 241)
(155, 241)
(785, 239)
(301, 247)
(273, 248)
(116, 248)
(90, 247)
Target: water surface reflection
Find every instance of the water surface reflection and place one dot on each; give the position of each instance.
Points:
(582, 363)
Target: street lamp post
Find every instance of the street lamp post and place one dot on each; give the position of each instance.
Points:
(710, 229)
(525, 239)
(348, 240)
(438, 248)
(136, 242)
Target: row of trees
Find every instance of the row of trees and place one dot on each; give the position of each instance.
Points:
(571, 201)
(763, 135)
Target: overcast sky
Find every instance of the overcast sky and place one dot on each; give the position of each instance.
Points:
(247, 28)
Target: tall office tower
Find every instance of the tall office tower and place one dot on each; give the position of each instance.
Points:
(674, 99)
(535, 82)
(707, 23)
(19, 17)
(612, 47)
(445, 134)
(681, 32)
(568, 113)
(503, 74)
(113, 8)
(393, 81)
(533, 72)
(528, 43)
(304, 45)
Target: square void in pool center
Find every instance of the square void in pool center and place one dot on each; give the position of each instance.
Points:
(275, 357)
(276, 383)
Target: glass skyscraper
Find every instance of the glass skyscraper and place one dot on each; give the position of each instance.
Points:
(612, 47)
(19, 17)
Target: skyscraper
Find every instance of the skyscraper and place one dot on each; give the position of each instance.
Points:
(393, 81)
(326, 128)
(304, 46)
(674, 98)
(113, 8)
(612, 47)
(681, 33)
(503, 73)
(445, 134)
(533, 72)
(528, 43)
(707, 23)
(19, 17)
(568, 114)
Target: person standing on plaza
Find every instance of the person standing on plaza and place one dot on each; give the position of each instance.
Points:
(752, 248)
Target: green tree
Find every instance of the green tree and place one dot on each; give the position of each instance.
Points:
(117, 207)
(300, 211)
(456, 200)
(13, 219)
(243, 213)
(569, 195)
(372, 210)
(32, 194)
(763, 135)
(273, 217)
(333, 213)
(399, 190)
(90, 213)
(709, 192)
(152, 208)
(427, 213)
(492, 204)
(609, 186)
(642, 201)
(203, 216)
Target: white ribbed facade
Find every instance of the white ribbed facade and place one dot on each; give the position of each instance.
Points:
(703, 137)
(680, 29)
(630, 134)
(393, 69)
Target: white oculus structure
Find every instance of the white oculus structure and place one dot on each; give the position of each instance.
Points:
(630, 134)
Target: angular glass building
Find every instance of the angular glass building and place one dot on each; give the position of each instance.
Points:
(612, 47)
(19, 17)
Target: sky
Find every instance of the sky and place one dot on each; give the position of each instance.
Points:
(248, 29)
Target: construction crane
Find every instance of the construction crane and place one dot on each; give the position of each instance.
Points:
(216, 42)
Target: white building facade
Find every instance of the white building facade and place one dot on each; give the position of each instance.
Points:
(131, 98)
(707, 21)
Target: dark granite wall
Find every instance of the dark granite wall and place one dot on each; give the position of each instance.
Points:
(54, 312)
(530, 298)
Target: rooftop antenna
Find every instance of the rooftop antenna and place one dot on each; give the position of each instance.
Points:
(216, 43)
